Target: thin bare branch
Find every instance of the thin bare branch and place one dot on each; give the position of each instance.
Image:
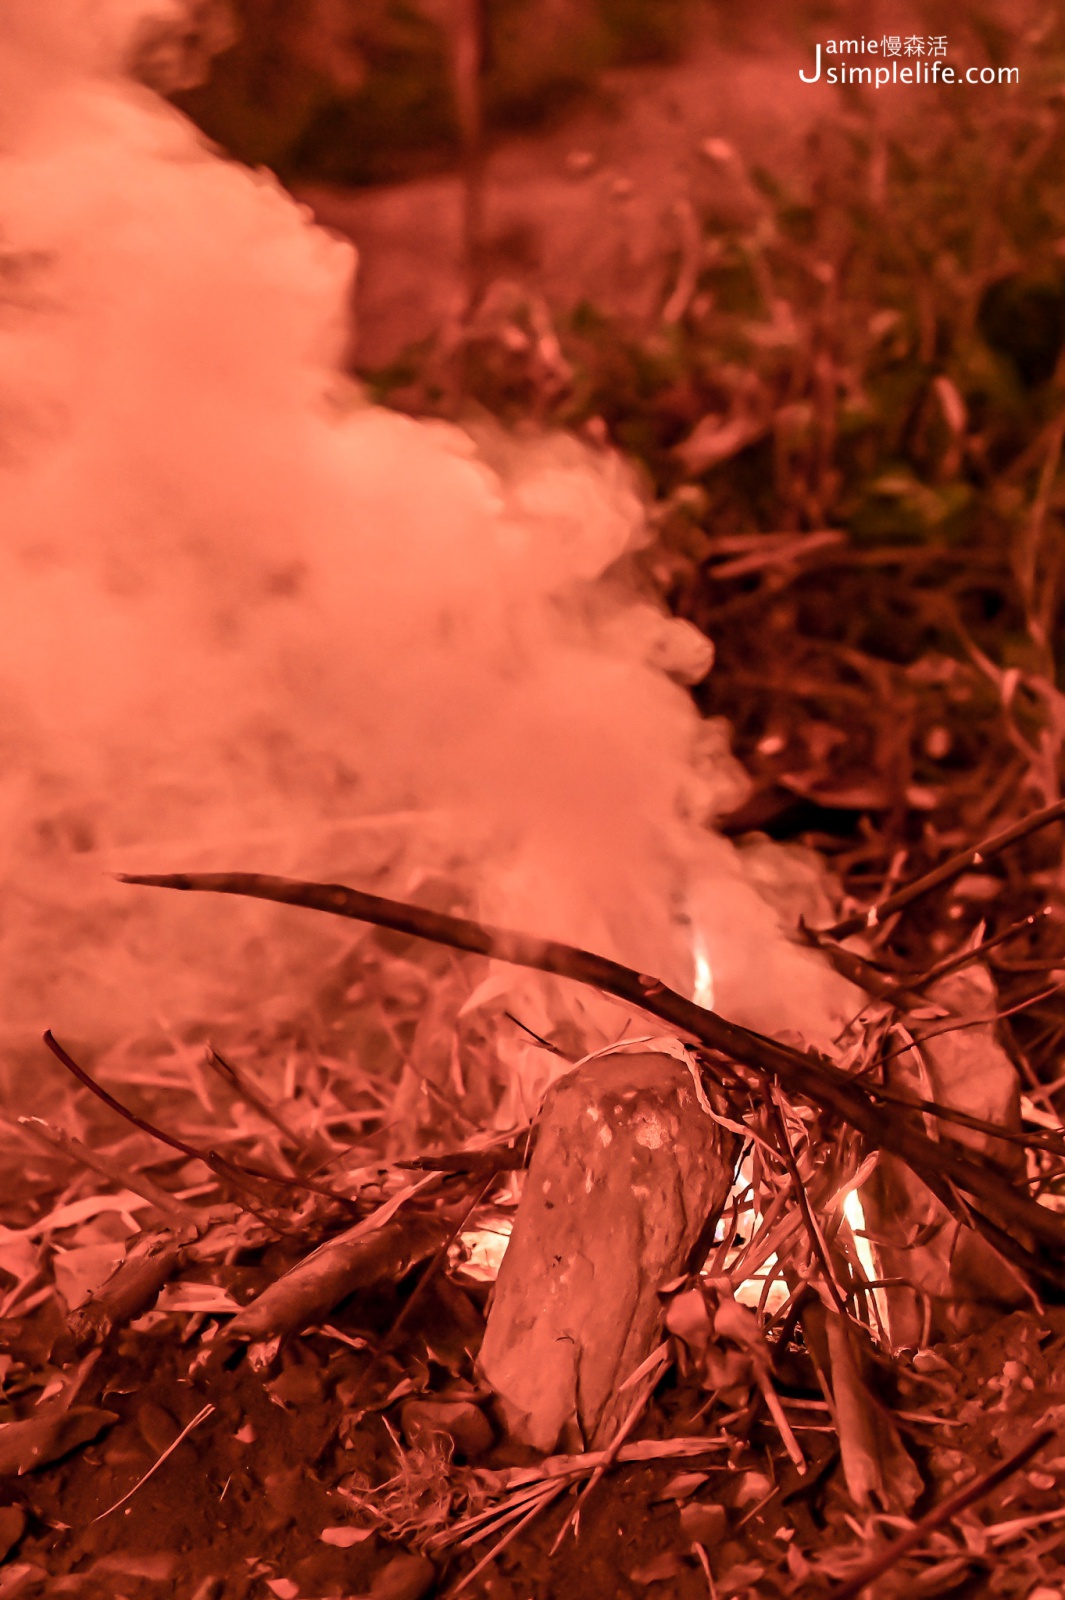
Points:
(946, 872)
(236, 1172)
(967, 1496)
(938, 1163)
(57, 1139)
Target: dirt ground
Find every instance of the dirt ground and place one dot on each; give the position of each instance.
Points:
(595, 206)
(265, 1495)
(589, 207)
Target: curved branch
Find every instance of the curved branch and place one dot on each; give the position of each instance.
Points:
(938, 1163)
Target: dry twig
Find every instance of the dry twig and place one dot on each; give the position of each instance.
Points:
(235, 1172)
(1010, 1217)
(181, 1214)
(378, 1248)
(967, 1496)
(946, 872)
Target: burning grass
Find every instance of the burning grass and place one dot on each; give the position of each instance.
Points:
(244, 1286)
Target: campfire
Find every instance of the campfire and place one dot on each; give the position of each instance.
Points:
(507, 1032)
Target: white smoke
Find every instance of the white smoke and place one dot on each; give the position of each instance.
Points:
(243, 610)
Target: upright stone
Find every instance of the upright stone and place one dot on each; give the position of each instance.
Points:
(627, 1168)
(946, 1280)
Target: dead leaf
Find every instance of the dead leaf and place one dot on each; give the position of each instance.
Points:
(680, 1486)
(751, 1487)
(689, 1319)
(51, 1432)
(704, 1524)
(209, 1299)
(662, 1569)
(84, 1269)
(404, 1578)
(344, 1538)
(18, 1254)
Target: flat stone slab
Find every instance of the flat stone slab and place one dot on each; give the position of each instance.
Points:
(627, 1168)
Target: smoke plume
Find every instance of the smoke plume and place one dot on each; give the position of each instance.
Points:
(251, 621)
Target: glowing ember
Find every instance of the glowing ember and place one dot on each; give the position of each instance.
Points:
(479, 1252)
(703, 993)
(855, 1215)
(765, 1289)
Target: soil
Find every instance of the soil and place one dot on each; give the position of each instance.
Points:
(246, 1504)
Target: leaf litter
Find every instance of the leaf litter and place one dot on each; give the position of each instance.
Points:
(781, 1396)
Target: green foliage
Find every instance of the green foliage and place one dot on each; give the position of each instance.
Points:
(871, 346)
